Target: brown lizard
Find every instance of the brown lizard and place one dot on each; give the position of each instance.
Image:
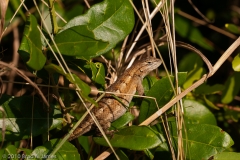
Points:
(111, 108)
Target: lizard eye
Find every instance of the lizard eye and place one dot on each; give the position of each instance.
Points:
(149, 62)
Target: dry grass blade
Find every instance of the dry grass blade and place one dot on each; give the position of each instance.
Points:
(199, 12)
(188, 46)
(225, 56)
(155, 11)
(3, 9)
(21, 74)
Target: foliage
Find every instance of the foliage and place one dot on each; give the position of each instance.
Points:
(211, 111)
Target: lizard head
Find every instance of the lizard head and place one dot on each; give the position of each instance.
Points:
(146, 65)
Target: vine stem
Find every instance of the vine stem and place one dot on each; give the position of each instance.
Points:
(53, 16)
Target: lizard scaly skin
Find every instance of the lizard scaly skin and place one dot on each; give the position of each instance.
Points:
(111, 108)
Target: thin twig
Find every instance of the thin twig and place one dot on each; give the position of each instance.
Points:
(196, 20)
(21, 74)
(15, 59)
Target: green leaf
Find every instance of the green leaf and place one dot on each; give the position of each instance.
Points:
(232, 28)
(98, 73)
(68, 14)
(84, 141)
(200, 141)
(207, 89)
(122, 121)
(99, 30)
(231, 114)
(197, 113)
(191, 63)
(11, 151)
(79, 41)
(25, 116)
(149, 154)
(148, 106)
(232, 87)
(193, 75)
(134, 137)
(210, 103)
(182, 26)
(181, 78)
(83, 86)
(227, 155)
(197, 37)
(236, 63)
(122, 155)
(30, 49)
(67, 151)
(15, 5)
(148, 82)
(26, 151)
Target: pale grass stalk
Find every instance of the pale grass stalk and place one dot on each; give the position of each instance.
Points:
(165, 16)
(87, 4)
(179, 106)
(199, 12)
(155, 11)
(168, 134)
(170, 32)
(50, 35)
(31, 136)
(121, 53)
(134, 57)
(12, 17)
(57, 14)
(3, 9)
(149, 24)
(224, 57)
(11, 26)
(48, 120)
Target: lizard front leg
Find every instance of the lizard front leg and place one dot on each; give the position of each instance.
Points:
(139, 88)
